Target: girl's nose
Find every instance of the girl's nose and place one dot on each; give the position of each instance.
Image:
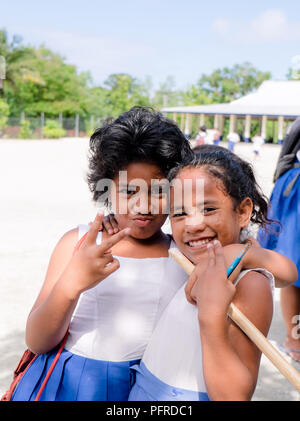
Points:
(194, 223)
(140, 204)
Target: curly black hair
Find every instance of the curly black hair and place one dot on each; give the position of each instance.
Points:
(139, 135)
(236, 175)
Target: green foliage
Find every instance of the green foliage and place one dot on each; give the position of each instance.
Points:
(228, 84)
(166, 95)
(39, 80)
(18, 61)
(4, 112)
(53, 130)
(57, 89)
(25, 132)
(293, 74)
(194, 96)
(123, 92)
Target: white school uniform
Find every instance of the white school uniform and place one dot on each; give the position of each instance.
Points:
(171, 368)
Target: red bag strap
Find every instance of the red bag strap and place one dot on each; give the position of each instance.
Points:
(45, 381)
(51, 368)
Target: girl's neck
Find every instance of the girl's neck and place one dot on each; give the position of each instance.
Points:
(155, 246)
(157, 238)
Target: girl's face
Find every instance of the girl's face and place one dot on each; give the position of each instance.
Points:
(139, 203)
(206, 214)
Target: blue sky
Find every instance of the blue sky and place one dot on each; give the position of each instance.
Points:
(160, 38)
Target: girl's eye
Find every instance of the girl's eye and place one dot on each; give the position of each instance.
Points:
(178, 214)
(129, 191)
(208, 210)
(158, 190)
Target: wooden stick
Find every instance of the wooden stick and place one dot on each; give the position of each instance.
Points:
(265, 346)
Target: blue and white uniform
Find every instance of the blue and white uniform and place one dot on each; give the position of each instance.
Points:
(109, 331)
(171, 368)
(285, 208)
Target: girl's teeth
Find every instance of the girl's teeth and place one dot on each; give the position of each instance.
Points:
(198, 243)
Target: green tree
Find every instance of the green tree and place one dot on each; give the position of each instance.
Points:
(4, 112)
(18, 64)
(124, 92)
(228, 84)
(193, 96)
(293, 74)
(96, 102)
(59, 89)
(166, 95)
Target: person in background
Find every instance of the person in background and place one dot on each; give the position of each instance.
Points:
(257, 141)
(200, 139)
(217, 136)
(210, 137)
(232, 138)
(285, 207)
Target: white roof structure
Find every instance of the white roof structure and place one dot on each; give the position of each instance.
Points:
(272, 99)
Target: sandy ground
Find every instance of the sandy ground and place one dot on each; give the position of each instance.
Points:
(44, 194)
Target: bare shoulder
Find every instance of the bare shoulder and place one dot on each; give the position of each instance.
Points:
(254, 282)
(68, 240)
(60, 257)
(63, 250)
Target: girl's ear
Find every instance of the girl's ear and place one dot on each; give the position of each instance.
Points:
(244, 210)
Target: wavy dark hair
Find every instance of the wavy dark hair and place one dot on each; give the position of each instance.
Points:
(237, 177)
(139, 135)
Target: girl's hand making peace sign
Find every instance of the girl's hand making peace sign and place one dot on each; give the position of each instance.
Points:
(92, 262)
(213, 291)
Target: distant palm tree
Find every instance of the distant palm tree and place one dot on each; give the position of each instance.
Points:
(18, 61)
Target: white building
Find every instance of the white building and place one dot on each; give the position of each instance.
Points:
(273, 100)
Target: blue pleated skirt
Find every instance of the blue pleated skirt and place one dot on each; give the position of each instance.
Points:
(285, 207)
(76, 378)
(148, 387)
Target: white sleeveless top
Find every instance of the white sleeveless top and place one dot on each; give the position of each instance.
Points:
(174, 353)
(114, 320)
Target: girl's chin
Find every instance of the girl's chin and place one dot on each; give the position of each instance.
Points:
(195, 256)
(141, 234)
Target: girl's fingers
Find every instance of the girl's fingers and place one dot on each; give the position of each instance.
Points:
(189, 286)
(112, 267)
(114, 239)
(114, 222)
(219, 254)
(107, 225)
(100, 229)
(211, 260)
(107, 258)
(95, 228)
(219, 257)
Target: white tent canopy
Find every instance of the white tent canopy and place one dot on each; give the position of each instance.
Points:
(272, 100)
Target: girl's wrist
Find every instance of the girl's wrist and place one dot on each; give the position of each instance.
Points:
(216, 325)
(253, 257)
(67, 286)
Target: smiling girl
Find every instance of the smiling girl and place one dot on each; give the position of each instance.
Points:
(196, 352)
(111, 292)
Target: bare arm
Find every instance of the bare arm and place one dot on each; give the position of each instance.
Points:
(230, 359)
(51, 313)
(283, 269)
(67, 277)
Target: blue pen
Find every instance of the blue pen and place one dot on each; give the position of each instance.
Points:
(237, 259)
